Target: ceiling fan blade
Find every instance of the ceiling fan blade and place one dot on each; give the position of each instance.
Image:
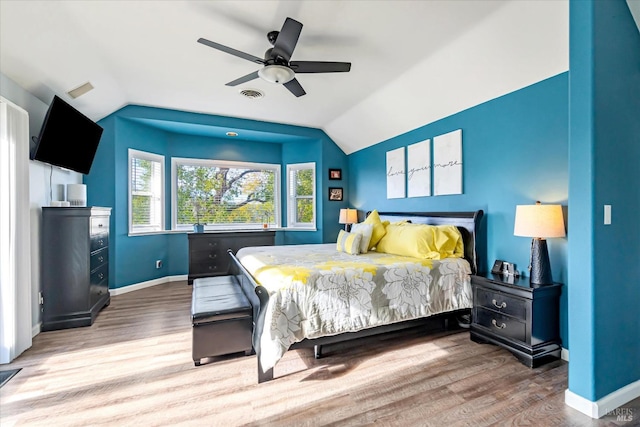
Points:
(295, 87)
(319, 67)
(232, 51)
(287, 39)
(243, 79)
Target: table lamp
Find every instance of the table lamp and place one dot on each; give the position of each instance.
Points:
(348, 217)
(539, 222)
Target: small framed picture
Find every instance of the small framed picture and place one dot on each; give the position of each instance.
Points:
(335, 173)
(335, 194)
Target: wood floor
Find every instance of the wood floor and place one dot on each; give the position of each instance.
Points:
(133, 367)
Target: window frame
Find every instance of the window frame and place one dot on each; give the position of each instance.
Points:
(291, 198)
(175, 161)
(153, 157)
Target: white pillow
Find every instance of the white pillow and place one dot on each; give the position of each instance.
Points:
(366, 230)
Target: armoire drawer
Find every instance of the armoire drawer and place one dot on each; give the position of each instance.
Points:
(99, 225)
(99, 241)
(99, 258)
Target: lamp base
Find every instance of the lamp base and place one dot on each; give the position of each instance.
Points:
(540, 266)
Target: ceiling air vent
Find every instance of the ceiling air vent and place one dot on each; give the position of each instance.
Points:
(251, 93)
(80, 90)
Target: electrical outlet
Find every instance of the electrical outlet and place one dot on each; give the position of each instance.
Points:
(159, 263)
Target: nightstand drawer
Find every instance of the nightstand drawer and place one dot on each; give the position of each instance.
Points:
(506, 304)
(499, 324)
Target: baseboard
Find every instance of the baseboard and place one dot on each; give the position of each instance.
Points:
(607, 404)
(147, 284)
(564, 354)
(35, 330)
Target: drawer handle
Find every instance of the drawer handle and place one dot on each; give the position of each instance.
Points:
(100, 275)
(101, 242)
(502, 305)
(100, 225)
(213, 267)
(213, 244)
(101, 258)
(213, 256)
(501, 326)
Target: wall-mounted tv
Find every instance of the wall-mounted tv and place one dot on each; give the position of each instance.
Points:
(68, 138)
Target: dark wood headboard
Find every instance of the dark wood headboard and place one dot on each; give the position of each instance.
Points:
(467, 222)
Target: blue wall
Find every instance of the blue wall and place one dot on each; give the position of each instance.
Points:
(333, 158)
(181, 134)
(604, 158)
(515, 151)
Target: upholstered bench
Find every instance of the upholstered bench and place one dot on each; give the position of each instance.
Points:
(221, 316)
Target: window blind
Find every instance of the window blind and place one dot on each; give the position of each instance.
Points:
(218, 194)
(146, 194)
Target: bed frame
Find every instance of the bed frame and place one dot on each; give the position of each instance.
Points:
(469, 224)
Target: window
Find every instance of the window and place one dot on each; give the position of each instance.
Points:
(146, 192)
(301, 191)
(224, 194)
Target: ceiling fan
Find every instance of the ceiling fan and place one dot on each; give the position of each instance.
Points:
(277, 65)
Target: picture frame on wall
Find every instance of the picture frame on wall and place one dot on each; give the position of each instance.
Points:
(335, 194)
(335, 173)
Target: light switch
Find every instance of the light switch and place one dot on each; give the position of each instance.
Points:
(607, 214)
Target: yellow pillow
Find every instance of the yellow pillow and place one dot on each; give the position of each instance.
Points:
(349, 242)
(378, 228)
(422, 241)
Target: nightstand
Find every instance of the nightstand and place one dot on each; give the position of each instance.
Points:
(509, 313)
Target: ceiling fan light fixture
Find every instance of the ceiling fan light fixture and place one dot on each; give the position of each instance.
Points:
(276, 74)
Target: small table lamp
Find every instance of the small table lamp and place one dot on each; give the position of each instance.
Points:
(348, 217)
(539, 222)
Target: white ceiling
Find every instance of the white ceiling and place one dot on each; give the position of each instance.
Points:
(413, 62)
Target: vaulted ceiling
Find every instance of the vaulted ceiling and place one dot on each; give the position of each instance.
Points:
(413, 62)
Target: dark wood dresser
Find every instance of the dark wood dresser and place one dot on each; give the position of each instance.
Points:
(524, 320)
(208, 251)
(75, 265)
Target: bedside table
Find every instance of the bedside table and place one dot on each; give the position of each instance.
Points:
(509, 313)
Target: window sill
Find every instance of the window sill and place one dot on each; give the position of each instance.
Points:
(228, 230)
(153, 233)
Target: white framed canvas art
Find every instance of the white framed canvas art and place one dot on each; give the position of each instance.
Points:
(419, 169)
(447, 163)
(395, 174)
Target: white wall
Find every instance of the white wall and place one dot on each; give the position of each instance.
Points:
(46, 183)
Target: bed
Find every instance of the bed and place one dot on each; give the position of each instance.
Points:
(315, 295)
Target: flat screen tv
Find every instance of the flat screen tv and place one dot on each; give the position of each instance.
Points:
(68, 138)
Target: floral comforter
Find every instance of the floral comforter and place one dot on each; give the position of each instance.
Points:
(317, 291)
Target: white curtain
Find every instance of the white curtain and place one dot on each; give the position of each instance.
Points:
(15, 239)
